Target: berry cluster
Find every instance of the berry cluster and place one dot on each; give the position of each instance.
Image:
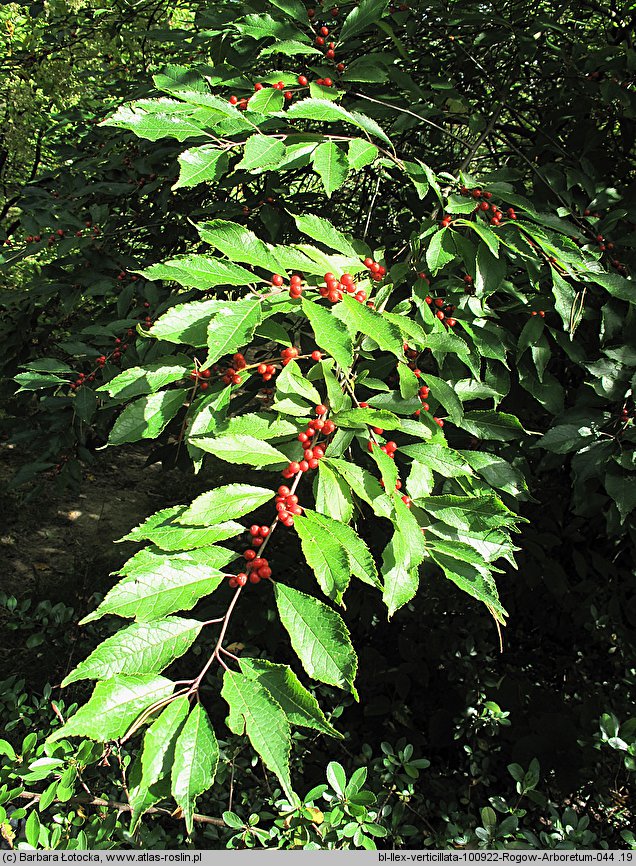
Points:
(486, 207)
(115, 355)
(376, 270)
(287, 505)
(289, 354)
(335, 288)
(309, 438)
(267, 371)
(389, 448)
(231, 375)
(201, 376)
(539, 313)
(444, 311)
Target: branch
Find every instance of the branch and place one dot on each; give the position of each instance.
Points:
(122, 807)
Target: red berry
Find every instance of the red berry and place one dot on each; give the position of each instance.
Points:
(439, 422)
(324, 31)
(303, 81)
(368, 263)
(378, 430)
(241, 579)
(233, 582)
(283, 490)
(329, 54)
(277, 280)
(320, 40)
(233, 100)
(293, 467)
(254, 577)
(316, 355)
(303, 466)
(264, 572)
(288, 95)
(258, 86)
(340, 67)
(321, 409)
(249, 554)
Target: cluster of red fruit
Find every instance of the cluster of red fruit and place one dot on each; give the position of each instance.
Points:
(231, 375)
(120, 348)
(329, 48)
(376, 270)
(423, 393)
(444, 311)
(200, 376)
(286, 506)
(389, 448)
(487, 207)
(313, 452)
(625, 416)
(335, 288)
(539, 313)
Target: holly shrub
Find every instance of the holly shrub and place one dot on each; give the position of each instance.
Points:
(380, 285)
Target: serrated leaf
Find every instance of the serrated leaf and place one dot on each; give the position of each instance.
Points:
(443, 392)
(161, 530)
(238, 244)
(361, 153)
(113, 707)
(361, 17)
(261, 425)
(187, 323)
(232, 328)
(401, 579)
(157, 757)
(32, 381)
(361, 319)
(472, 579)
(196, 756)
(331, 164)
(200, 272)
(367, 417)
(332, 494)
(490, 271)
(319, 637)
(146, 417)
(478, 513)
(265, 101)
(290, 381)
(325, 554)
(158, 583)
(145, 380)
(363, 484)
(321, 230)
(409, 383)
(225, 503)
(496, 471)
(201, 164)
(488, 424)
(330, 333)
(290, 48)
(143, 118)
(299, 705)
(445, 461)
(261, 151)
(140, 648)
(440, 251)
(253, 710)
(241, 448)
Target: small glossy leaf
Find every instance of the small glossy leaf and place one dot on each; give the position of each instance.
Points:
(196, 756)
(225, 503)
(146, 417)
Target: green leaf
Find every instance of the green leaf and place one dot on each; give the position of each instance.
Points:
(160, 583)
(445, 461)
(238, 244)
(485, 233)
(261, 151)
(290, 48)
(530, 334)
(225, 503)
(331, 164)
(409, 383)
(497, 472)
(332, 495)
(401, 579)
(565, 297)
(113, 707)
(232, 328)
(367, 418)
(147, 417)
(478, 513)
(162, 531)
(290, 381)
(319, 637)
(362, 319)
(241, 448)
(324, 552)
(488, 424)
(143, 118)
(200, 272)
(299, 705)
(617, 286)
(187, 323)
(140, 648)
(253, 710)
(326, 110)
(321, 230)
(201, 164)
(196, 756)
(35, 381)
(443, 392)
(266, 101)
(472, 579)
(418, 177)
(490, 271)
(565, 438)
(263, 25)
(363, 484)
(361, 152)
(361, 17)
(330, 333)
(146, 380)
(157, 757)
(440, 251)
